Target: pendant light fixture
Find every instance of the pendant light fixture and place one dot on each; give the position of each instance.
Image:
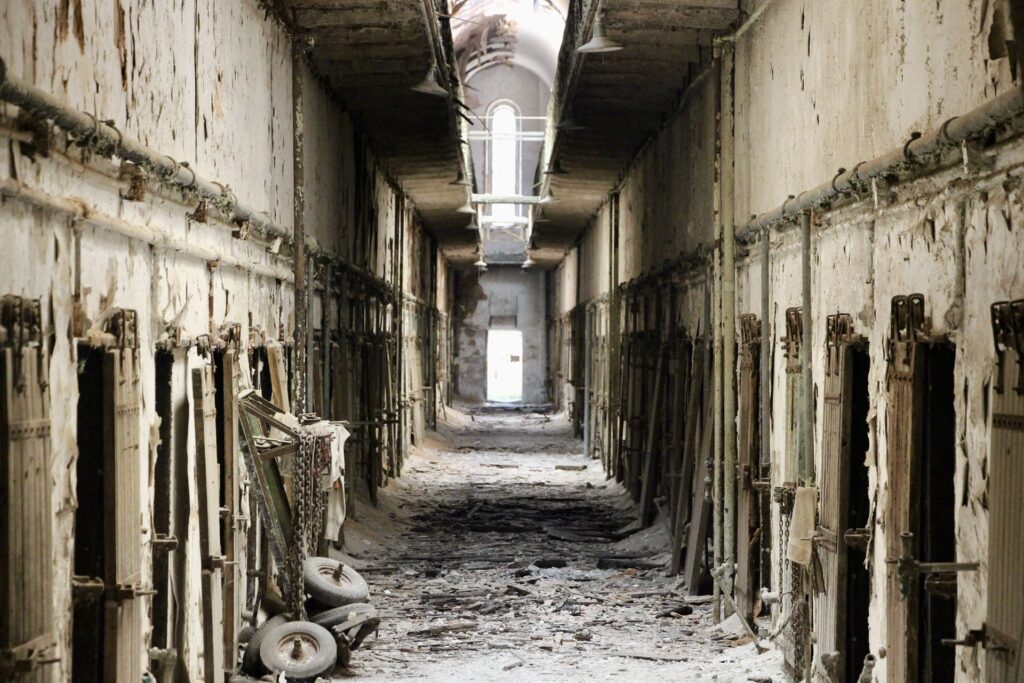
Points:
(467, 208)
(527, 263)
(461, 179)
(599, 42)
(481, 264)
(430, 84)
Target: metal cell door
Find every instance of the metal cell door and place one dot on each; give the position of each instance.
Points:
(830, 604)
(123, 647)
(26, 584)
(747, 517)
(903, 438)
(1004, 624)
(208, 486)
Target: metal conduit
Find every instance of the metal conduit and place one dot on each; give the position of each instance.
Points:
(107, 140)
(765, 367)
(917, 151)
(806, 473)
(79, 211)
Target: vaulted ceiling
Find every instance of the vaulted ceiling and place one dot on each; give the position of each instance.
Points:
(372, 52)
(619, 98)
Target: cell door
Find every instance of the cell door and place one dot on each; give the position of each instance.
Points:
(830, 603)
(1004, 624)
(748, 456)
(122, 386)
(26, 621)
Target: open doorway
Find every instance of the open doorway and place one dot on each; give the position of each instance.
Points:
(505, 366)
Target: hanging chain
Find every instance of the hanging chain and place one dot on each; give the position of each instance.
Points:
(307, 512)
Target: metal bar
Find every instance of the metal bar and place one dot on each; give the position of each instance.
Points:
(766, 348)
(106, 139)
(505, 199)
(302, 370)
(806, 351)
(728, 321)
(79, 211)
(901, 161)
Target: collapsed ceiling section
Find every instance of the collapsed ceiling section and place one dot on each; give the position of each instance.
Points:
(372, 52)
(616, 99)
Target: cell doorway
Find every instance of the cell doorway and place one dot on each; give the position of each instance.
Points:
(505, 366)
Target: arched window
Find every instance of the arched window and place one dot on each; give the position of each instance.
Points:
(504, 157)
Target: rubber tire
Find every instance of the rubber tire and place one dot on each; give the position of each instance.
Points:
(321, 586)
(246, 633)
(322, 662)
(251, 663)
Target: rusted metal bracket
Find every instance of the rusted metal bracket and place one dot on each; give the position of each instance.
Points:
(983, 636)
(1008, 333)
(794, 331)
(86, 590)
(909, 568)
(21, 326)
(124, 325)
(838, 331)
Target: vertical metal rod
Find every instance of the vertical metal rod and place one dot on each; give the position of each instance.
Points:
(764, 391)
(716, 478)
(728, 325)
(587, 358)
(807, 471)
(298, 230)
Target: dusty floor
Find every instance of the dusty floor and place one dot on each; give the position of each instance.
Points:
(451, 562)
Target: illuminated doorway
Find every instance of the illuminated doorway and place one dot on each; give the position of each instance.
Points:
(505, 366)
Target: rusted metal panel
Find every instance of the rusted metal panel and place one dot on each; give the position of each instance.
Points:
(26, 636)
(829, 604)
(748, 435)
(903, 439)
(1004, 623)
(122, 384)
(208, 486)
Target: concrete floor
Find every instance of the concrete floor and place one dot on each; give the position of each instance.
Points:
(449, 556)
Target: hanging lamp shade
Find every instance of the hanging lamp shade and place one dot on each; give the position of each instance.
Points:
(480, 263)
(555, 168)
(549, 198)
(467, 208)
(472, 225)
(598, 42)
(528, 262)
(430, 85)
(461, 179)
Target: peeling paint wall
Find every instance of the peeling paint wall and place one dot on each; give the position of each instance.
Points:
(205, 83)
(824, 85)
(503, 297)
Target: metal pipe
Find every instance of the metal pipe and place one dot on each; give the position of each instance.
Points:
(728, 323)
(107, 140)
(299, 388)
(901, 161)
(505, 199)
(806, 473)
(766, 349)
(717, 492)
(81, 212)
(587, 359)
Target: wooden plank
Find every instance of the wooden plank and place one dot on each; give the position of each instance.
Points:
(829, 605)
(701, 505)
(650, 452)
(208, 486)
(234, 541)
(26, 585)
(903, 436)
(1005, 618)
(278, 376)
(123, 645)
(691, 435)
(746, 587)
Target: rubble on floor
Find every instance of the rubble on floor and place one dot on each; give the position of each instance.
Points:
(497, 562)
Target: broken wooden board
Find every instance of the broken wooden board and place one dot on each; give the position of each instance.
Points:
(25, 516)
(208, 486)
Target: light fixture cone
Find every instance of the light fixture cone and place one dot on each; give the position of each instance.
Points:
(599, 42)
(549, 198)
(555, 168)
(461, 179)
(430, 86)
(480, 263)
(467, 208)
(527, 263)
(472, 225)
